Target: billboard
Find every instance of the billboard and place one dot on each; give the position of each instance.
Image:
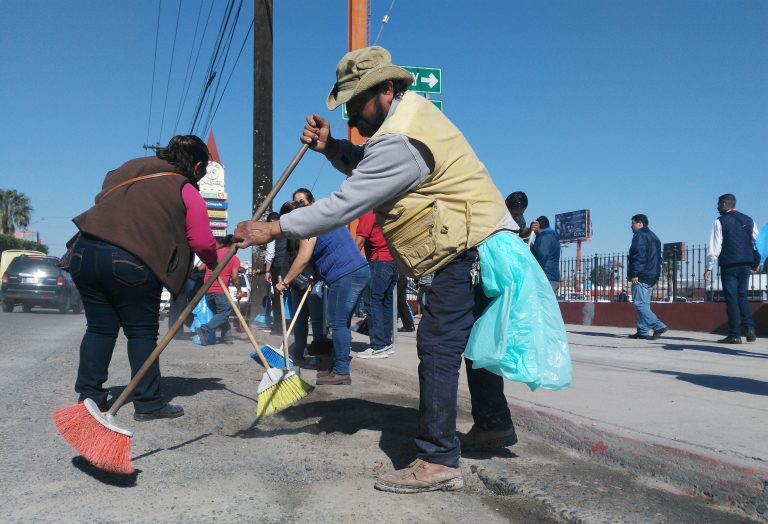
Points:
(574, 225)
(674, 251)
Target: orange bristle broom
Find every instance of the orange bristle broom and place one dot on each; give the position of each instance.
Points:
(95, 435)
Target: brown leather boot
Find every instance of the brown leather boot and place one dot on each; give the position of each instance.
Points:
(421, 476)
(478, 439)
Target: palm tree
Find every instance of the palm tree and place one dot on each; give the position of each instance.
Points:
(15, 211)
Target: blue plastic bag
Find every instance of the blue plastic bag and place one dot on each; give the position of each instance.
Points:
(202, 315)
(761, 243)
(520, 335)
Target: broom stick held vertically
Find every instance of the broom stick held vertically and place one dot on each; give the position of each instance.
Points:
(206, 285)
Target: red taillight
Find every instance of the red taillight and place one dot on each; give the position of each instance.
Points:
(60, 281)
(244, 295)
(5, 278)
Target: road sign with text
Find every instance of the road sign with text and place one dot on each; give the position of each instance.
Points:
(426, 79)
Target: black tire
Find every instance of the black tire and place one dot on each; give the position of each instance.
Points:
(26, 307)
(8, 306)
(64, 306)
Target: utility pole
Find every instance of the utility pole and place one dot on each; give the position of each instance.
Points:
(357, 38)
(262, 126)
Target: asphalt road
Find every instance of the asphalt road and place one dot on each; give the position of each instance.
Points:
(314, 462)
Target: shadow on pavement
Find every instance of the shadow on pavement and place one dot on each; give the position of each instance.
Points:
(714, 349)
(112, 479)
(597, 334)
(397, 424)
(721, 382)
(173, 387)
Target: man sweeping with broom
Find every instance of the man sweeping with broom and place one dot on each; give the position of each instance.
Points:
(435, 203)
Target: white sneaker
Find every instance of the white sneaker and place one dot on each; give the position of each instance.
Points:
(390, 349)
(374, 353)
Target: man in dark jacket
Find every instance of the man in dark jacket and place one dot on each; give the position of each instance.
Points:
(644, 272)
(546, 250)
(731, 244)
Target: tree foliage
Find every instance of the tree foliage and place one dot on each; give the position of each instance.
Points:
(11, 242)
(15, 211)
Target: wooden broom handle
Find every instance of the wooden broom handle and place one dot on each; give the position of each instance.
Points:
(128, 390)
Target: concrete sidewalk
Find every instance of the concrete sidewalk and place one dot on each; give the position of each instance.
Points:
(683, 407)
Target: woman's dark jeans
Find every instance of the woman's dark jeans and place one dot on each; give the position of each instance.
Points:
(342, 297)
(117, 290)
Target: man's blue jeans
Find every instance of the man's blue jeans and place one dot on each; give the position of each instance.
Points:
(453, 305)
(735, 281)
(645, 318)
(221, 309)
(384, 277)
(342, 297)
(118, 291)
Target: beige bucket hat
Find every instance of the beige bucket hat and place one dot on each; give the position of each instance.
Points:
(360, 70)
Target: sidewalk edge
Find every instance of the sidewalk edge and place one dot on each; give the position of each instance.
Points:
(715, 479)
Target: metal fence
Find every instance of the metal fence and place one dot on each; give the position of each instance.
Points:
(603, 278)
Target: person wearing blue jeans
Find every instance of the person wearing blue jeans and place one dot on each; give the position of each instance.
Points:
(217, 301)
(343, 295)
(117, 290)
(453, 305)
(384, 277)
(138, 237)
(338, 262)
(732, 245)
(645, 318)
(644, 262)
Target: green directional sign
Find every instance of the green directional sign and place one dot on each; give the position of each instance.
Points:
(426, 79)
(438, 104)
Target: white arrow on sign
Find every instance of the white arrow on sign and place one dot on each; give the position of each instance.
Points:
(431, 80)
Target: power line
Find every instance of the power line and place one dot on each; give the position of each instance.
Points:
(154, 64)
(211, 74)
(230, 38)
(170, 69)
(231, 72)
(187, 76)
(384, 21)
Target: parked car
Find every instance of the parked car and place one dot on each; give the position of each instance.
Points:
(35, 280)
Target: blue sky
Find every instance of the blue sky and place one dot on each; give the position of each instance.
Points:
(623, 107)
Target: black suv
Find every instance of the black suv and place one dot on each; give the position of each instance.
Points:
(38, 281)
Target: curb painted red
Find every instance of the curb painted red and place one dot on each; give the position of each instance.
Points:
(707, 317)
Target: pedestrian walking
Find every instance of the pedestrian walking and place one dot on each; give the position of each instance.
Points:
(421, 177)
(643, 273)
(732, 246)
(137, 238)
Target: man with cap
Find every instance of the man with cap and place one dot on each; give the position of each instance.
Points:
(435, 203)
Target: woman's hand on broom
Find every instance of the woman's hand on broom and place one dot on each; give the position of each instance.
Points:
(255, 233)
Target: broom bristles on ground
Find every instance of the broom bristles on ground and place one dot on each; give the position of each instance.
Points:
(282, 395)
(105, 449)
